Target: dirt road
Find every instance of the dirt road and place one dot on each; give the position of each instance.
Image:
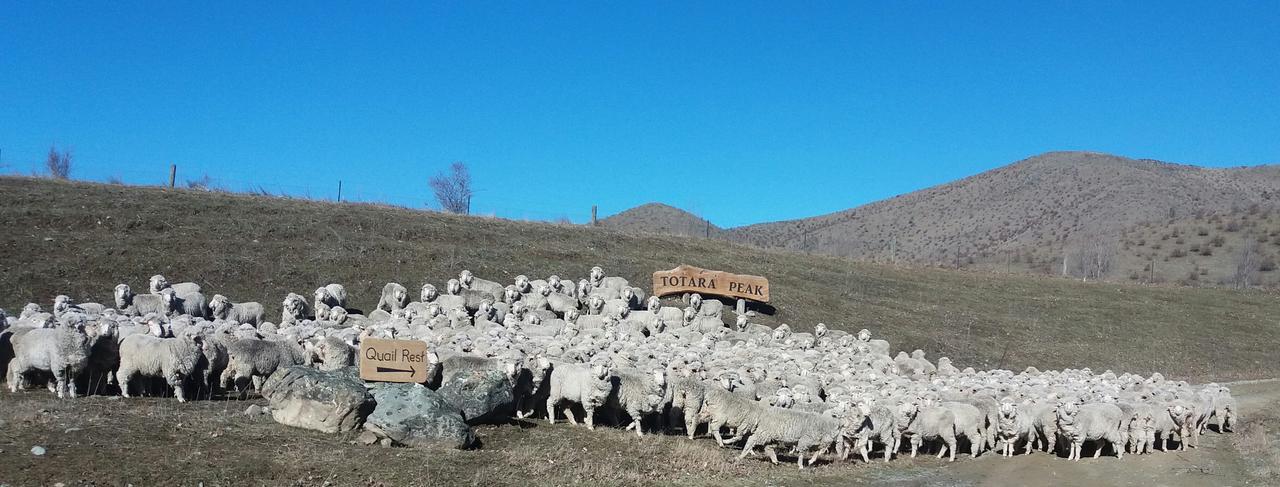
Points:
(156, 441)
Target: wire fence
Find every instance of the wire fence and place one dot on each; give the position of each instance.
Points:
(491, 203)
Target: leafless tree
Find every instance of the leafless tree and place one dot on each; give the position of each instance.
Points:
(1247, 263)
(1092, 257)
(453, 189)
(59, 163)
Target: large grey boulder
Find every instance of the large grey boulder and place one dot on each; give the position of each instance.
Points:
(412, 415)
(304, 397)
(480, 395)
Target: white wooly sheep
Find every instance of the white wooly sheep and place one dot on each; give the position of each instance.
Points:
(158, 283)
(1216, 402)
(140, 304)
(687, 396)
(394, 297)
(928, 423)
(876, 346)
(473, 283)
(1184, 416)
(945, 368)
(254, 360)
(330, 295)
(62, 351)
(172, 359)
(1015, 423)
(594, 305)
(743, 325)
(804, 432)
(191, 304)
(586, 385)
(1091, 422)
(331, 352)
(670, 315)
(876, 423)
(63, 305)
(706, 307)
(523, 285)
(251, 312)
(455, 297)
(293, 309)
(639, 394)
(558, 302)
(722, 408)
(925, 367)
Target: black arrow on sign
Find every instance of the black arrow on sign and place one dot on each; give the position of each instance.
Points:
(389, 369)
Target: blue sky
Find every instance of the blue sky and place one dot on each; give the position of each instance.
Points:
(741, 112)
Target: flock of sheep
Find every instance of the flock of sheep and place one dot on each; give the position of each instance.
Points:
(599, 346)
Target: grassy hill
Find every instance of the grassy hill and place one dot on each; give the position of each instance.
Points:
(663, 219)
(81, 239)
(1026, 216)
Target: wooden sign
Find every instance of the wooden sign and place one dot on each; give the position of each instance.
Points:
(393, 360)
(689, 279)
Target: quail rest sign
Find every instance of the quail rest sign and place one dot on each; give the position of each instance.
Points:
(696, 280)
(393, 360)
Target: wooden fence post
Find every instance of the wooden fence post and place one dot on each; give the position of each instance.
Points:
(173, 174)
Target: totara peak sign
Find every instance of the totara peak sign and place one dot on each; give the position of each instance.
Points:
(689, 279)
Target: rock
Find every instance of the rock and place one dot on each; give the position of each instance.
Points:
(253, 410)
(480, 395)
(386, 442)
(366, 438)
(38, 451)
(308, 398)
(412, 415)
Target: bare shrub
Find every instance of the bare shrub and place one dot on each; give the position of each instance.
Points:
(59, 163)
(453, 189)
(1091, 257)
(1248, 259)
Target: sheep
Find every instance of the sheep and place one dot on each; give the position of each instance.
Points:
(928, 423)
(62, 351)
(875, 346)
(945, 369)
(394, 297)
(1091, 422)
(255, 359)
(294, 308)
(251, 312)
(586, 385)
(560, 303)
(457, 297)
(330, 295)
(140, 304)
(722, 408)
(876, 423)
(190, 304)
(1013, 425)
(804, 431)
(331, 353)
(638, 394)
(63, 304)
(473, 283)
(687, 397)
(158, 283)
(173, 359)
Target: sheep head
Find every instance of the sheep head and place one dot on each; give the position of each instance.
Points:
(220, 306)
(597, 274)
(653, 304)
(123, 296)
(820, 330)
(338, 315)
(466, 278)
(157, 283)
(429, 293)
(522, 283)
(453, 287)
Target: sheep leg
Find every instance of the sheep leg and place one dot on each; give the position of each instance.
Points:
(589, 418)
(950, 442)
(551, 411)
(866, 452)
(178, 390)
(773, 454)
(975, 442)
(749, 448)
(915, 445)
(888, 452)
(714, 428)
(123, 375)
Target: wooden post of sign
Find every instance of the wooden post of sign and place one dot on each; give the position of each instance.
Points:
(173, 173)
(742, 307)
(593, 215)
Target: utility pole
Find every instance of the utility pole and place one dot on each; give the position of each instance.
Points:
(593, 216)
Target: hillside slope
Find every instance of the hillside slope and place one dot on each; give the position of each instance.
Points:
(662, 219)
(82, 239)
(1034, 208)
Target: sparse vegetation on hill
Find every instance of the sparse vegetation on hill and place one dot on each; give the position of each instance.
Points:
(82, 239)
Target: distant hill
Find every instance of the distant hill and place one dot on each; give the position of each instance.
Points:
(663, 219)
(1027, 215)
